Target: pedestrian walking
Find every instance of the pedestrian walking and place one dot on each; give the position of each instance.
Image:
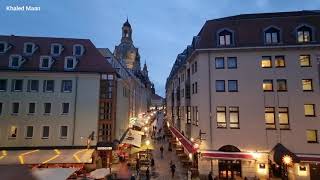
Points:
(161, 150)
(148, 173)
(152, 162)
(163, 137)
(173, 170)
(210, 176)
(133, 177)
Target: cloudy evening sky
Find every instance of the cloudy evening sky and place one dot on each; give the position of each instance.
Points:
(161, 29)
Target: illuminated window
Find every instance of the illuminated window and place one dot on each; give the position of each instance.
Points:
(309, 110)
(221, 117)
(307, 85)
(219, 63)
(13, 132)
(197, 116)
(272, 36)
(267, 85)
(305, 60)
(312, 136)
(225, 38)
(279, 61)
(269, 116)
(220, 86)
(188, 115)
(304, 34)
(283, 116)
(234, 117)
(281, 85)
(266, 62)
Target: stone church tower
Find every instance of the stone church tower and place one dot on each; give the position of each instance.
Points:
(126, 51)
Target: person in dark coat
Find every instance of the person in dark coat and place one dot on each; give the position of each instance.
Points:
(161, 150)
(173, 169)
(148, 174)
(152, 162)
(210, 176)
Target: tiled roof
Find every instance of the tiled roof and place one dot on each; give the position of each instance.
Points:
(90, 61)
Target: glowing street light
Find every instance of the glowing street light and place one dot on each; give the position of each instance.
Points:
(287, 160)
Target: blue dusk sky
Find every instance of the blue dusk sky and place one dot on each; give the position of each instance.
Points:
(161, 29)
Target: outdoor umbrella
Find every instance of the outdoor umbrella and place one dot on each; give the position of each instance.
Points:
(99, 173)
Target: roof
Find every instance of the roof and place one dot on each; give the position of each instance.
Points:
(91, 61)
(248, 28)
(127, 23)
(156, 97)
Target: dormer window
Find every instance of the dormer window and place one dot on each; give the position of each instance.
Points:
(304, 34)
(29, 48)
(46, 62)
(70, 63)
(225, 38)
(15, 61)
(78, 50)
(56, 49)
(4, 47)
(272, 35)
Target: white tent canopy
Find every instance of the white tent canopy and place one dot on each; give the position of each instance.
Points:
(53, 173)
(133, 137)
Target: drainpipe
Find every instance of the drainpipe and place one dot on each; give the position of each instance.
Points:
(74, 111)
(210, 107)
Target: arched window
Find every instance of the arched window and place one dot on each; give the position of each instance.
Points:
(304, 34)
(272, 35)
(225, 38)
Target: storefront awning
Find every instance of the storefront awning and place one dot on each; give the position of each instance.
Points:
(52, 156)
(309, 157)
(133, 137)
(53, 173)
(183, 140)
(227, 155)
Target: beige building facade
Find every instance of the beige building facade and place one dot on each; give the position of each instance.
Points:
(247, 91)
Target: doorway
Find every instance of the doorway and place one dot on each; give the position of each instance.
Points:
(314, 171)
(229, 169)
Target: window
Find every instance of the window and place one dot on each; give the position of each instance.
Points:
(13, 132)
(225, 38)
(232, 63)
(70, 63)
(281, 85)
(45, 62)
(29, 48)
(32, 108)
(305, 60)
(48, 86)
(272, 36)
(65, 108)
(29, 133)
(283, 116)
(312, 136)
(266, 62)
(280, 62)
(78, 50)
(221, 117)
(15, 108)
(267, 85)
(196, 87)
(66, 86)
(63, 132)
(17, 85)
(195, 66)
(3, 47)
(188, 115)
(234, 117)
(1, 107)
(307, 85)
(56, 49)
(197, 116)
(309, 110)
(33, 85)
(269, 116)
(45, 132)
(219, 63)
(232, 85)
(47, 108)
(220, 86)
(3, 85)
(304, 34)
(15, 61)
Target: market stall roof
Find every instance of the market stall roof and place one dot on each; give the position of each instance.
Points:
(39, 156)
(183, 140)
(53, 173)
(227, 155)
(133, 137)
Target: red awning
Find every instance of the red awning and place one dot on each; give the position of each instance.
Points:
(309, 158)
(226, 155)
(183, 140)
